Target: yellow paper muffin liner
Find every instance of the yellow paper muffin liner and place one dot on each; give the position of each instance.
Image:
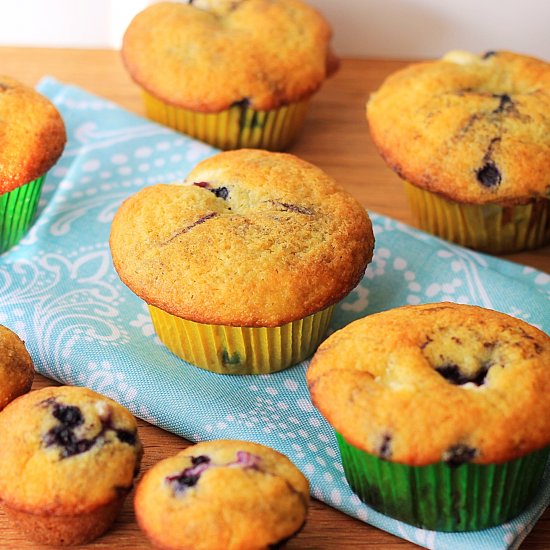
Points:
(241, 350)
(237, 127)
(488, 227)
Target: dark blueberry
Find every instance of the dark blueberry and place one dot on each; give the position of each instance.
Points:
(243, 103)
(459, 454)
(126, 436)
(479, 377)
(489, 175)
(190, 476)
(456, 340)
(488, 54)
(233, 359)
(221, 192)
(68, 415)
(505, 103)
(196, 460)
(385, 447)
(454, 375)
(65, 438)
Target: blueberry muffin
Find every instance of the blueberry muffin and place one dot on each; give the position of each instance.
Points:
(442, 412)
(32, 138)
(233, 73)
(67, 461)
(242, 264)
(470, 135)
(226, 494)
(16, 367)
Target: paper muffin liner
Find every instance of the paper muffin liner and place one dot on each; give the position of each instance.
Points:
(241, 350)
(440, 497)
(237, 127)
(17, 209)
(490, 227)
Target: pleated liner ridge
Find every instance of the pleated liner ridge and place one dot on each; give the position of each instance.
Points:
(235, 128)
(488, 227)
(17, 209)
(440, 497)
(241, 350)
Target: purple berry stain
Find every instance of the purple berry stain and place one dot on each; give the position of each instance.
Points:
(246, 460)
(63, 435)
(189, 477)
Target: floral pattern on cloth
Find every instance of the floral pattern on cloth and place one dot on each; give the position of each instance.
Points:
(82, 326)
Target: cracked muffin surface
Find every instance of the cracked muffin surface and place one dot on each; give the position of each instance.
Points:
(435, 383)
(222, 494)
(67, 460)
(471, 128)
(250, 238)
(16, 367)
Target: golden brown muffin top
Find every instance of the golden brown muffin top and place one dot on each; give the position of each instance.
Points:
(227, 494)
(209, 54)
(32, 134)
(16, 367)
(475, 129)
(251, 238)
(66, 451)
(436, 382)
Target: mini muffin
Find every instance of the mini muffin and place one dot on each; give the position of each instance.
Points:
(226, 494)
(471, 136)
(242, 264)
(16, 367)
(233, 73)
(441, 411)
(32, 138)
(68, 458)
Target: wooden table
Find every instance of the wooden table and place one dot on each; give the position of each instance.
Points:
(336, 139)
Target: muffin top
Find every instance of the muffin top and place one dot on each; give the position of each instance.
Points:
(209, 54)
(16, 367)
(475, 129)
(436, 382)
(222, 494)
(32, 134)
(250, 238)
(65, 451)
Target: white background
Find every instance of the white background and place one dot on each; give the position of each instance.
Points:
(375, 28)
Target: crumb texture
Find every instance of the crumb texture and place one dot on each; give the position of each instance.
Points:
(473, 128)
(207, 55)
(437, 382)
(251, 238)
(222, 494)
(32, 134)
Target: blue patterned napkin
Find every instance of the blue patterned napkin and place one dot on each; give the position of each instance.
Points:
(82, 326)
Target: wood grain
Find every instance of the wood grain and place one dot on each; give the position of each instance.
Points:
(336, 139)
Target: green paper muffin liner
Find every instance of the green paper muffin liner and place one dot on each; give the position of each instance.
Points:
(17, 209)
(238, 127)
(440, 497)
